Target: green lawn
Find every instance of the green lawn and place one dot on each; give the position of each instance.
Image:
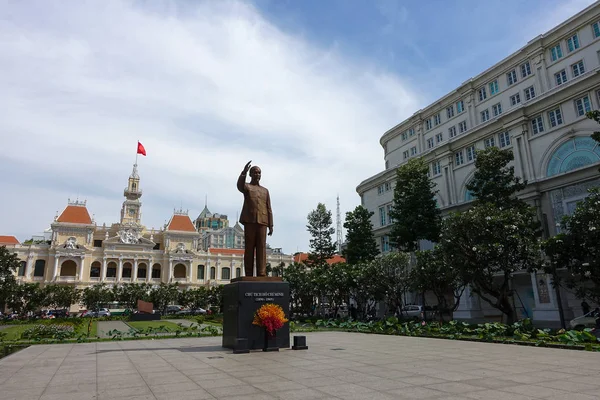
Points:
(14, 332)
(141, 325)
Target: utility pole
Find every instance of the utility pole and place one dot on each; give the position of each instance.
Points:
(338, 230)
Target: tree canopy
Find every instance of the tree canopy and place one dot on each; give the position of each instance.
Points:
(414, 213)
(360, 241)
(320, 228)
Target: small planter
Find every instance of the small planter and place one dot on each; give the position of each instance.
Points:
(270, 342)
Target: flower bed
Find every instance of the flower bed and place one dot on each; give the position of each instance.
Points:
(522, 332)
(43, 331)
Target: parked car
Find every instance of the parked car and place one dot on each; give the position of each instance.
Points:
(411, 311)
(173, 309)
(342, 311)
(585, 321)
(102, 312)
(64, 313)
(195, 311)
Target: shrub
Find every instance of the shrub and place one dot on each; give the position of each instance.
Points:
(44, 331)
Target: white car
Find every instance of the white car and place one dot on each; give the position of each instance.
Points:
(411, 311)
(585, 321)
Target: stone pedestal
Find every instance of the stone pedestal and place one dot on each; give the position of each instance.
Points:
(242, 298)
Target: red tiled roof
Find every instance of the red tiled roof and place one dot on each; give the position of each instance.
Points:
(181, 223)
(302, 257)
(75, 215)
(8, 240)
(226, 252)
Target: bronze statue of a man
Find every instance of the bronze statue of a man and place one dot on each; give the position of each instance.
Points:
(256, 217)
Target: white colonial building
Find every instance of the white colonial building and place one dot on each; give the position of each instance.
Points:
(532, 102)
(77, 251)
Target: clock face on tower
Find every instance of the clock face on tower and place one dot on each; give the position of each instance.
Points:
(131, 212)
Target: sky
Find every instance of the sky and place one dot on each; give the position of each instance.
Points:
(304, 89)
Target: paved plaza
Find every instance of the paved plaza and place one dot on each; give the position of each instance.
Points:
(336, 366)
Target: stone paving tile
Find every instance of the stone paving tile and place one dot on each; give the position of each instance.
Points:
(368, 367)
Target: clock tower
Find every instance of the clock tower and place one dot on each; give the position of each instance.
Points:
(131, 212)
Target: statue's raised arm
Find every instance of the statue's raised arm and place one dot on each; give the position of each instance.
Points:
(241, 183)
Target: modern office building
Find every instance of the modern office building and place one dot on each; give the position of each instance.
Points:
(534, 103)
(76, 250)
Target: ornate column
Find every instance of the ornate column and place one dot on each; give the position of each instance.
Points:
(55, 271)
(189, 271)
(135, 269)
(149, 270)
(120, 269)
(103, 272)
(546, 305)
(28, 267)
(81, 262)
(469, 306)
(170, 271)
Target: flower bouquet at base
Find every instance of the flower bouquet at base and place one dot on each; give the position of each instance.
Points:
(271, 317)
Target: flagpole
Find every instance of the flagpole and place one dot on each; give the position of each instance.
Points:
(136, 153)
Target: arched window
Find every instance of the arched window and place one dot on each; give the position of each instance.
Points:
(142, 270)
(111, 270)
(469, 195)
(573, 154)
(213, 273)
(22, 266)
(179, 271)
(95, 269)
(68, 268)
(156, 271)
(40, 266)
(225, 273)
(127, 270)
(238, 272)
(200, 271)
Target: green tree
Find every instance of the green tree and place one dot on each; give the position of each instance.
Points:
(494, 182)
(164, 294)
(577, 249)
(320, 229)
(194, 298)
(433, 273)
(302, 288)
(94, 297)
(9, 265)
(595, 115)
(338, 282)
(414, 212)
(487, 245)
(60, 296)
(129, 293)
(390, 272)
(360, 241)
(216, 299)
(25, 297)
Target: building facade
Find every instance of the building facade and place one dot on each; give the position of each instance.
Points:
(534, 103)
(216, 232)
(77, 251)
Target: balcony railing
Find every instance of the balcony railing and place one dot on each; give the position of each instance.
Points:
(94, 279)
(67, 278)
(180, 279)
(140, 280)
(125, 279)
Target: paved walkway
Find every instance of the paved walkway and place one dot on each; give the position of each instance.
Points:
(336, 366)
(106, 326)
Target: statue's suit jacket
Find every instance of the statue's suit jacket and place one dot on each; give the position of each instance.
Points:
(257, 204)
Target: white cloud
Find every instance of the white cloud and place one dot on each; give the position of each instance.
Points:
(205, 87)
